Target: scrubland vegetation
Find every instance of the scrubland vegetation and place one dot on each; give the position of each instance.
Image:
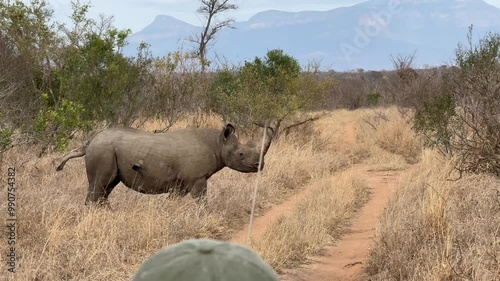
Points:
(439, 229)
(59, 85)
(61, 239)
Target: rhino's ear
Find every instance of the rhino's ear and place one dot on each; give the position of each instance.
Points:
(229, 130)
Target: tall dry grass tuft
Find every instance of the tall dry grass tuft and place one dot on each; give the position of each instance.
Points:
(437, 229)
(317, 221)
(61, 239)
(338, 133)
(392, 143)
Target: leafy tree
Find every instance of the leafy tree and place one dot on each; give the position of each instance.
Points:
(64, 119)
(27, 44)
(460, 114)
(270, 89)
(14, 78)
(475, 126)
(93, 81)
(66, 78)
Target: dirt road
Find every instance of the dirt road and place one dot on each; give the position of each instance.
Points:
(345, 260)
(260, 224)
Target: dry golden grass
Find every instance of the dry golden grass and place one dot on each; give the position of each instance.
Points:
(61, 239)
(391, 142)
(324, 214)
(437, 229)
(339, 128)
(194, 120)
(433, 229)
(317, 221)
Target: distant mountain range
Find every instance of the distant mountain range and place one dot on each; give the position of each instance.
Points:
(347, 38)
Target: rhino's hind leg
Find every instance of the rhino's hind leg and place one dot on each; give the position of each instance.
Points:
(98, 193)
(199, 191)
(101, 181)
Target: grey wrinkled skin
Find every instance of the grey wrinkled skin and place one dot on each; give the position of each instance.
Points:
(177, 162)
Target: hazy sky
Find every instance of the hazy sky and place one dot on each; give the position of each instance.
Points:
(136, 14)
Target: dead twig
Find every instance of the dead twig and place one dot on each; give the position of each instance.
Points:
(312, 119)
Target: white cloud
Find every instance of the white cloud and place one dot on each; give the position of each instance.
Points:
(493, 2)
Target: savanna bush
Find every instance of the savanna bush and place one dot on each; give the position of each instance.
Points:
(269, 89)
(177, 89)
(64, 77)
(61, 79)
(63, 118)
(457, 110)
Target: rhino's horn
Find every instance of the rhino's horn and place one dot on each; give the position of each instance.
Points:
(269, 138)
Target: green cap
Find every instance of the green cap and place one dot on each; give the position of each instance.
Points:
(205, 259)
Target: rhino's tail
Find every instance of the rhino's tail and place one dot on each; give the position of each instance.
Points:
(69, 156)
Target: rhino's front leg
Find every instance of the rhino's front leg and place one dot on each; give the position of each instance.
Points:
(199, 191)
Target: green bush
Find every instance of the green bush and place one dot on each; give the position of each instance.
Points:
(61, 121)
(434, 118)
(269, 89)
(460, 114)
(5, 138)
(373, 98)
(80, 72)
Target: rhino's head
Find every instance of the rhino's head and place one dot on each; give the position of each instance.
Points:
(242, 157)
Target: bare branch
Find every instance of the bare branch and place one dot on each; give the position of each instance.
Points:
(311, 119)
(210, 9)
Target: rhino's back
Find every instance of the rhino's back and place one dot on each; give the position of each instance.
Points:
(184, 139)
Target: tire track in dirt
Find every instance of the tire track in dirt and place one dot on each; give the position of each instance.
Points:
(260, 224)
(347, 259)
